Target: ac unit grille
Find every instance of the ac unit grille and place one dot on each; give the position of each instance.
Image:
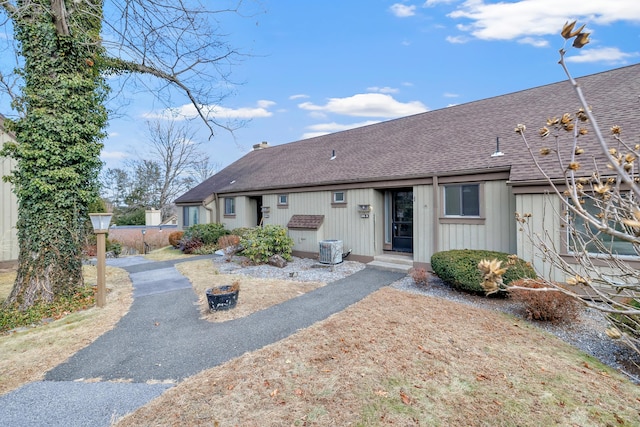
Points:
(330, 252)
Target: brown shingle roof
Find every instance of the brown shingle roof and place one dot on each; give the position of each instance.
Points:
(452, 140)
(307, 222)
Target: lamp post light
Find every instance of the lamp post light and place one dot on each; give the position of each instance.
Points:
(100, 222)
(144, 243)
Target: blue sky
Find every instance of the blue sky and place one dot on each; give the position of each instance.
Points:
(315, 67)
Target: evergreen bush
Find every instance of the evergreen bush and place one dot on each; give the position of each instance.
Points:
(459, 268)
(262, 242)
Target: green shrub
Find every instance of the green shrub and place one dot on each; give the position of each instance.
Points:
(459, 268)
(207, 234)
(260, 243)
(114, 246)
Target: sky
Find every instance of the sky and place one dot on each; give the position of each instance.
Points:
(317, 67)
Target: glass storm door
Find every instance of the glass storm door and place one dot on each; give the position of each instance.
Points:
(402, 221)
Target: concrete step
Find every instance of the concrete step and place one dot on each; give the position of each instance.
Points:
(395, 259)
(390, 266)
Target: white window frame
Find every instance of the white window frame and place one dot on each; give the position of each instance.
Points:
(283, 199)
(342, 200)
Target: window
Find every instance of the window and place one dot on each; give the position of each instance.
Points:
(229, 206)
(190, 216)
(339, 197)
(594, 241)
(462, 200)
(283, 199)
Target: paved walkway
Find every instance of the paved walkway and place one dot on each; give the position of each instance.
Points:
(162, 341)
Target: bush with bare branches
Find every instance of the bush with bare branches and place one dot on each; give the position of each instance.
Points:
(550, 305)
(599, 197)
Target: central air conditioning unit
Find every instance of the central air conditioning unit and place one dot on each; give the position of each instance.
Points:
(330, 252)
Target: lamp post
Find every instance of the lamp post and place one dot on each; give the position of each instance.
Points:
(100, 222)
(144, 243)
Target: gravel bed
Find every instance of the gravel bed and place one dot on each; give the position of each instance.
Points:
(587, 333)
(300, 269)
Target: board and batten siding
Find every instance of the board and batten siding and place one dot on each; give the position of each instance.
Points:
(423, 217)
(8, 209)
(498, 231)
(341, 222)
(245, 216)
(545, 210)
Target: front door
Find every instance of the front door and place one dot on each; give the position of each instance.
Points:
(402, 221)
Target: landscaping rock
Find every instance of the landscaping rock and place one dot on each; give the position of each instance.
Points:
(277, 261)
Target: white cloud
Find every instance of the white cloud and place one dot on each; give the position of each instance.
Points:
(430, 3)
(327, 128)
(450, 95)
(402, 11)
(534, 41)
(188, 111)
(367, 105)
(299, 96)
(529, 18)
(457, 39)
(611, 55)
(385, 89)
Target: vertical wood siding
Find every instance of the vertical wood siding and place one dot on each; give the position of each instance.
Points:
(340, 223)
(545, 222)
(498, 231)
(423, 223)
(8, 210)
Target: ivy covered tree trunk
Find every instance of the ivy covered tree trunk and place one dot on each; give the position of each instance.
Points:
(58, 143)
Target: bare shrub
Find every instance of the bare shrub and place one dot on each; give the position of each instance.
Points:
(420, 276)
(547, 305)
(175, 237)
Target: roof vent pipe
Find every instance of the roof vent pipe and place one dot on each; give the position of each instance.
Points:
(498, 153)
(333, 155)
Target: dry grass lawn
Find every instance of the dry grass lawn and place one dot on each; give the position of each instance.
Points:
(402, 359)
(27, 355)
(394, 358)
(255, 294)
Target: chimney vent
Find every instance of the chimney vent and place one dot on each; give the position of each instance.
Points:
(263, 144)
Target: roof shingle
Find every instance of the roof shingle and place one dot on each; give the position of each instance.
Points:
(453, 140)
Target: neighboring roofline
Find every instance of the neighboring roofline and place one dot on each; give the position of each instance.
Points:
(490, 174)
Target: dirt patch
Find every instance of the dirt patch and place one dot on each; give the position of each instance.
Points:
(405, 359)
(255, 294)
(27, 355)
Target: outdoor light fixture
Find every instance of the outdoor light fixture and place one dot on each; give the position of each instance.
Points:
(100, 223)
(144, 243)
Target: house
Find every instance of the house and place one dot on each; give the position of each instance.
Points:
(445, 179)
(8, 205)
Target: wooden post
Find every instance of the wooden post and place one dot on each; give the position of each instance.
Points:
(101, 297)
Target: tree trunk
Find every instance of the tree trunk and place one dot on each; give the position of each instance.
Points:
(59, 142)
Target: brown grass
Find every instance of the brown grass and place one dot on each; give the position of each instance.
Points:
(255, 294)
(26, 356)
(416, 361)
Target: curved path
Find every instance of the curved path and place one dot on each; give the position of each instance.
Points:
(161, 341)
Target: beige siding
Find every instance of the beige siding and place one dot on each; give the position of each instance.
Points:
(340, 223)
(246, 213)
(544, 222)
(423, 217)
(498, 231)
(8, 210)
